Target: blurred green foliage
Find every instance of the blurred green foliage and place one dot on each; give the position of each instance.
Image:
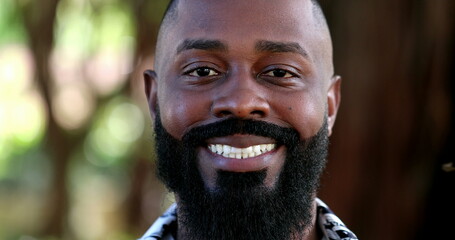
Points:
(76, 160)
(92, 64)
(11, 25)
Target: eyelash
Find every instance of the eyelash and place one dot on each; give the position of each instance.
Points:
(287, 80)
(286, 72)
(189, 72)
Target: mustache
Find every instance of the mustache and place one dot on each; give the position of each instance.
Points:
(199, 135)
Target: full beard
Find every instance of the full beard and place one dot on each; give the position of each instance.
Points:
(241, 206)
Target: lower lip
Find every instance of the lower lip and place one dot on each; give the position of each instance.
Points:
(252, 164)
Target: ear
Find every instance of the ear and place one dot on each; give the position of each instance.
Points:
(333, 101)
(150, 91)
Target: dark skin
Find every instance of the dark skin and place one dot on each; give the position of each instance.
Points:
(258, 59)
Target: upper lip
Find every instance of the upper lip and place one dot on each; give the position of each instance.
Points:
(241, 140)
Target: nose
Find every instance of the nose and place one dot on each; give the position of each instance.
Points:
(241, 97)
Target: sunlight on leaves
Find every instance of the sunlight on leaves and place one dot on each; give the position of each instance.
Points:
(22, 114)
(115, 132)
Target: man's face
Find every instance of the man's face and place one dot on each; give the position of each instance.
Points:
(244, 98)
(262, 60)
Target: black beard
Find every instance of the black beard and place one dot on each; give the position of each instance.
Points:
(241, 206)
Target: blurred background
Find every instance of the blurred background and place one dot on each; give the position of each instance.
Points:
(76, 156)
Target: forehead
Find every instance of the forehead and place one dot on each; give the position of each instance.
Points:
(245, 15)
(252, 20)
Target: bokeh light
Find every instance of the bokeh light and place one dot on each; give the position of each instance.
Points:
(113, 136)
(90, 63)
(73, 105)
(22, 115)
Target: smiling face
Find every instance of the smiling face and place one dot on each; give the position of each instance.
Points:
(261, 60)
(243, 87)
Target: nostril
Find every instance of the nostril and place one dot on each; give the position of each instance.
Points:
(258, 112)
(242, 103)
(224, 113)
(240, 114)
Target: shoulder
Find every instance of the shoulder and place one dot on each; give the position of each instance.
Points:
(330, 225)
(164, 227)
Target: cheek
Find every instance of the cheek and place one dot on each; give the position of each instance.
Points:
(181, 111)
(305, 113)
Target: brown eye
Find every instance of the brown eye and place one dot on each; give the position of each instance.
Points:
(280, 73)
(203, 72)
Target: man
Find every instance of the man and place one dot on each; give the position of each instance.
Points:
(244, 97)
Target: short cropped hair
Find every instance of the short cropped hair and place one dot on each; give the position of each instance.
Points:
(171, 12)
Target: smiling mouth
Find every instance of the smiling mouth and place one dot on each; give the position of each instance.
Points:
(228, 151)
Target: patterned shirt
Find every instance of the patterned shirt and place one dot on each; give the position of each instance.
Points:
(328, 223)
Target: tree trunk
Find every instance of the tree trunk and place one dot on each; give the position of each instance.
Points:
(39, 19)
(394, 114)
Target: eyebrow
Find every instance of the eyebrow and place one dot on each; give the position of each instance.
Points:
(280, 47)
(201, 44)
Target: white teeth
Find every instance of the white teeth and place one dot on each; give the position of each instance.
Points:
(247, 150)
(219, 148)
(240, 153)
(236, 150)
(257, 148)
(263, 147)
(226, 149)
